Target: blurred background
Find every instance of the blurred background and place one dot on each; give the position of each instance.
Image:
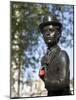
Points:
(28, 46)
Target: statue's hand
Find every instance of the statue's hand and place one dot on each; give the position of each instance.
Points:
(42, 72)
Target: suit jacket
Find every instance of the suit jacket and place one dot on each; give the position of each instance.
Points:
(56, 65)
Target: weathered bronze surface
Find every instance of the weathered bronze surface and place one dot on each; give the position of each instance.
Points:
(55, 63)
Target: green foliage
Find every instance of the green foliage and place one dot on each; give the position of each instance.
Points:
(25, 18)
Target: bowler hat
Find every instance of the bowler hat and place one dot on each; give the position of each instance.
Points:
(50, 20)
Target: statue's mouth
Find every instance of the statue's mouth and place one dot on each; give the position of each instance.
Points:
(49, 40)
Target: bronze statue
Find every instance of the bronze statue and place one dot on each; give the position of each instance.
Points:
(54, 69)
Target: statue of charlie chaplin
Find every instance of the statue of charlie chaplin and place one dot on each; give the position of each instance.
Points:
(54, 69)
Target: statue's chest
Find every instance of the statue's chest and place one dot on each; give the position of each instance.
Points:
(51, 61)
(51, 57)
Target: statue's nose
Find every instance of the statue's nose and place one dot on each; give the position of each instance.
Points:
(47, 34)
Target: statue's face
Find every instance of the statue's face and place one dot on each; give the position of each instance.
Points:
(50, 34)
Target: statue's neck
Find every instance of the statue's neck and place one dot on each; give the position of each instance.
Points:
(51, 46)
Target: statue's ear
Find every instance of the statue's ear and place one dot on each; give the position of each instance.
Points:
(59, 35)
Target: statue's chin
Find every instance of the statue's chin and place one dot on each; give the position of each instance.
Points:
(48, 41)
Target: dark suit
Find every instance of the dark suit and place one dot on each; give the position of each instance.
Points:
(57, 74)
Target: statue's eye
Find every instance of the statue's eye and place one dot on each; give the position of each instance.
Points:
(51, 30)
(48, 30)
(45, 30)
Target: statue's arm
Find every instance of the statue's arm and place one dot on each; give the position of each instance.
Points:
(61, 72)
(64, 73)
(42, 68)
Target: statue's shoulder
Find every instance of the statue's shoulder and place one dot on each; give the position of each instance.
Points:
(44, 59)
(64, 56)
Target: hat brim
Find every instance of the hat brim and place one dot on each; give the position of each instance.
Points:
(50, 23)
